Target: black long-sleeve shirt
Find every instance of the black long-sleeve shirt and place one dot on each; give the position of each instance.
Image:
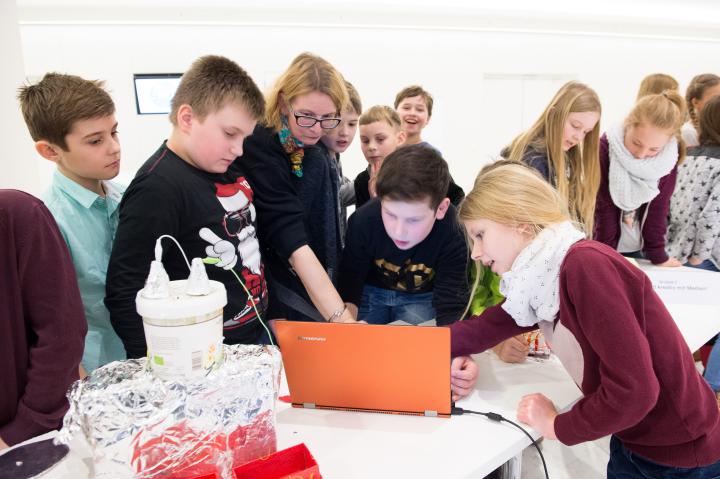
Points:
(437, 264)
(170, 196)
(293, 211)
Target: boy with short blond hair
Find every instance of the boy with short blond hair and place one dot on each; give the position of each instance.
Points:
(414, 106)
(380, 135)
(405, 256)
(72, 121)
(185, 190)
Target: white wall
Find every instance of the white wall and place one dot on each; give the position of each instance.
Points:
(472, 60)
(18, 166)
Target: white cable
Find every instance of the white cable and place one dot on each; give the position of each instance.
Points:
(158, 249)
(158, 257)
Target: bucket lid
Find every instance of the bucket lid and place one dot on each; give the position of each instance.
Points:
(181, 305)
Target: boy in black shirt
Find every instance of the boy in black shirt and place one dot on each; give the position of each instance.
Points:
(185, 190)
(405, 256)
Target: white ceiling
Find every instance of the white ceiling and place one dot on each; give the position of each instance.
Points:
(657, 18)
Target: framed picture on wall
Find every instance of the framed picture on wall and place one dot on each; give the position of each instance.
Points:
(154, 91)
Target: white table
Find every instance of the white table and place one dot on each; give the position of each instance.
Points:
(360, 445)
(692, 296)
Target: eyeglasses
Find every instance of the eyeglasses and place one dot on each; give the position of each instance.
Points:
(306, 121)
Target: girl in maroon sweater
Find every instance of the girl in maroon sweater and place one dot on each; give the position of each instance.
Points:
(602, 319)
(638, 161)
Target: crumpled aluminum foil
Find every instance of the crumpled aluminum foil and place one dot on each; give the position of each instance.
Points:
(138, 425)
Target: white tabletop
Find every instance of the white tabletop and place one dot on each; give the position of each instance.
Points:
(692, 296)
(354, 444)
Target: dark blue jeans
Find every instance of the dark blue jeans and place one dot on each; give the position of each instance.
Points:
(707, 265)
(712, 370)
(624, 464)
(383, 306)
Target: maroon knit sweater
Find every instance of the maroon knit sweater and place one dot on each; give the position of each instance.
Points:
(628, 357)
(42, 324)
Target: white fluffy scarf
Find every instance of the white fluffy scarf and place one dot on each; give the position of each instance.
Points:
(634, 182)
(531, 287)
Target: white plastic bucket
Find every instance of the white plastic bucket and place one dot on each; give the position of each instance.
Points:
(183, 332)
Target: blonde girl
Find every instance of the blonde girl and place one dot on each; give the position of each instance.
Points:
(296, 192)
(602, 319)
(638, 161)
(657, 83)
(562, 145)
(700, 90)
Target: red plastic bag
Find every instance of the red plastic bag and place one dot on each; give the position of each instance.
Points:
(204, 449)
(295, 462)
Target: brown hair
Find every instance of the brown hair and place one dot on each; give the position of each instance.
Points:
(696, 90)
(52, 106)
(353, 98)
(381, 113)
(710, 123)
(415, 90)
(414, 173)
(665, 111)
(307, 73)
(656, 83)
(580, 186)
(211, 83)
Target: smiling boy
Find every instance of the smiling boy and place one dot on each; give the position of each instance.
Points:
(405, 256)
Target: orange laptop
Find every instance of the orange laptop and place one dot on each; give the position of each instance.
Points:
(367, 367)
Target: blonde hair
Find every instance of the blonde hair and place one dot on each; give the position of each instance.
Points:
(381, 113)
(696, 90)
(211, 83)
(657, 83)
(665, 111)
(354, 102)
(307, 73)
(512, 194)
(577, 171)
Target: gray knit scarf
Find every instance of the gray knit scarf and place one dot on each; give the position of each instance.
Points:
(634, 182)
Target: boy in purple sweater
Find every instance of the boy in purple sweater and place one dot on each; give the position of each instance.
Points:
(42, 324)
(602, 319)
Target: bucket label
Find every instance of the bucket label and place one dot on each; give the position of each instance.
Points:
(190, 350)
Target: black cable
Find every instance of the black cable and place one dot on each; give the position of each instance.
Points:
(458, 411)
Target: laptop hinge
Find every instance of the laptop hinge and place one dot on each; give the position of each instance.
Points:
(309, 405)
(431, 413)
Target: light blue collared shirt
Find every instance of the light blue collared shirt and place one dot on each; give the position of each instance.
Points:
(88, 223)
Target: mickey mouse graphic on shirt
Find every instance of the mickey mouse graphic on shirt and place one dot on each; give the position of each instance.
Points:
(236, 199)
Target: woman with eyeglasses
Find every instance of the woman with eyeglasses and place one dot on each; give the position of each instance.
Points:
(296, 191)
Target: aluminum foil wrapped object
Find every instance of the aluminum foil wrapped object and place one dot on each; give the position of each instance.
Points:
(140, 426)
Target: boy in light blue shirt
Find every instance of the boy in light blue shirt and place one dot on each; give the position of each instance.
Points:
(72, 121)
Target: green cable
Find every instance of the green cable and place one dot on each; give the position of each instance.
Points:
(209, 260)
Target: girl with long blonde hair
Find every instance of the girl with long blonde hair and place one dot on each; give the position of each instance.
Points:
(602, 319)
(562, 145)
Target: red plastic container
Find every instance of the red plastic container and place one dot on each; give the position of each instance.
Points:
(295, 462)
